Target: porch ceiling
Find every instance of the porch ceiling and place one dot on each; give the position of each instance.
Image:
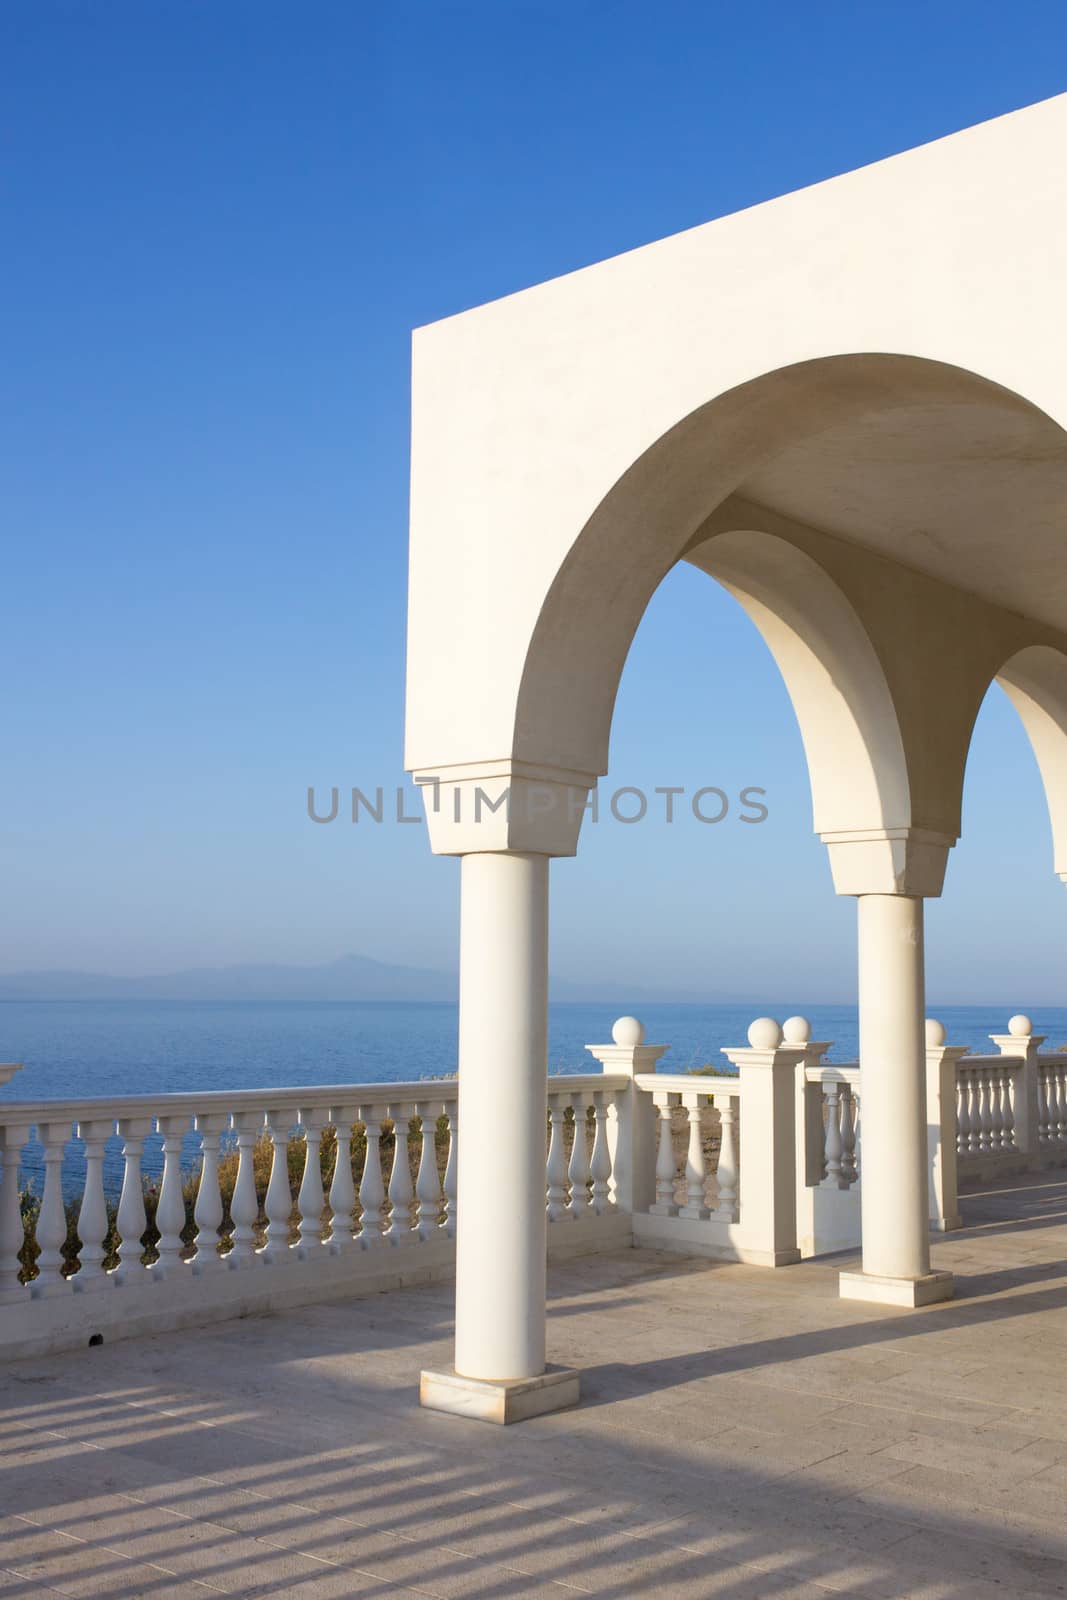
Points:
(972, 493)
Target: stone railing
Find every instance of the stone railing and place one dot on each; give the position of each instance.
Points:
(107, 1263)
(759, 1163)
(986, 1115)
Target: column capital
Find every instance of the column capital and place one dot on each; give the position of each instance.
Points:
(901, 861)
(504, 806)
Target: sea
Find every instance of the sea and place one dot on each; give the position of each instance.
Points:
(80, 1049)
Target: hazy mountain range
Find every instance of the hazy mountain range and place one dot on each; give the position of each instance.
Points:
(351, 977)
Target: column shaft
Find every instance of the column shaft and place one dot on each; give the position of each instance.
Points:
(893, 1090)
(503, 1070)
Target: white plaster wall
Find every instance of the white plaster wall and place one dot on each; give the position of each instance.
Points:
(530, 559)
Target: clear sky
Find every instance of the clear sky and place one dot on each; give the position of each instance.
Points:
(221, 223)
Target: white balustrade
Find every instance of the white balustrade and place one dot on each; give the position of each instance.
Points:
(12, 1232)
(342, 1184)
(244, 1204)
(208, 1208)
(401, 1192)
(849, 1135)
(52, 1217)
(600, 1160)
(278, 1200)
(665, 1205)
(838, 1123)
(92, 1217)
(131, 1220)
(579, 1168)
(558, 1205)
(626, 1149)
(696, 1175)
(311, 1199)
(451, 1177)
(726, 1170)
(372, 1187)
(428, 1191)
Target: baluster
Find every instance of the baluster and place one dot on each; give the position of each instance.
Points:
(1052, 1096)
(170, 1207)
(726, 1171)
(1007, 1105)
(849, 1167)
(963, 1116)
(311, 1199)
(131, 1220)
(401, 1192)
(12, 1232)
(695, 1169)
(985, 1112)
(451, 1171)
(278, 1201)
(578, 1172)
(600, 1161)
(92, 1217)
(1060, 1079)
(832, 1137)
(244, 1206)
(556, 1169)
(857, 1135)
(52, 1217)
(342, 1187)
(427, 1181)
(970, 1116)
(974, 1089)
(665, 1203)
(1042, 1106)
(372, 1189)
(207, 1212)
(995, 1076)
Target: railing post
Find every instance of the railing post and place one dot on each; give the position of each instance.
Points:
(942, 1127)
(632, 1122)
(767, 1232)
(1023, 1043)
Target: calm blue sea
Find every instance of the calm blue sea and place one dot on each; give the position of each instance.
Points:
(76, 1049)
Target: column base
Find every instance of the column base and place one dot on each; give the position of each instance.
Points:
(882, 1291)
(504, 1400)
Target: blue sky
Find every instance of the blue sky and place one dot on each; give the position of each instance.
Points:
(222, 222)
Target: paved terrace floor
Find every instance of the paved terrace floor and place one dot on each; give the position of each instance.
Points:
(744, 1433)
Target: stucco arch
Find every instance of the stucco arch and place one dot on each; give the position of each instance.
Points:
(786, 433)
(848, 723)
(1035, 681)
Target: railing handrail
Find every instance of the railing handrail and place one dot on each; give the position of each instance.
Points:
(687, 1083)
(1006, 1063)
(833, 1072)
(314, 1097)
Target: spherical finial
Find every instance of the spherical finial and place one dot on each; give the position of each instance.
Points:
(628, 1033)
(935, 1033)
(765, 1034)
(1020, 1027)
(796, 1030)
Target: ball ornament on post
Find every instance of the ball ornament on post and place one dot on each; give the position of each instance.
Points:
(765, 1034)
(628, 1033)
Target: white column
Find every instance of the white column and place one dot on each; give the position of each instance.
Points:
(503, 1105)
(894, 1189)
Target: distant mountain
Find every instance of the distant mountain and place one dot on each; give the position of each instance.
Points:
(351, 977)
